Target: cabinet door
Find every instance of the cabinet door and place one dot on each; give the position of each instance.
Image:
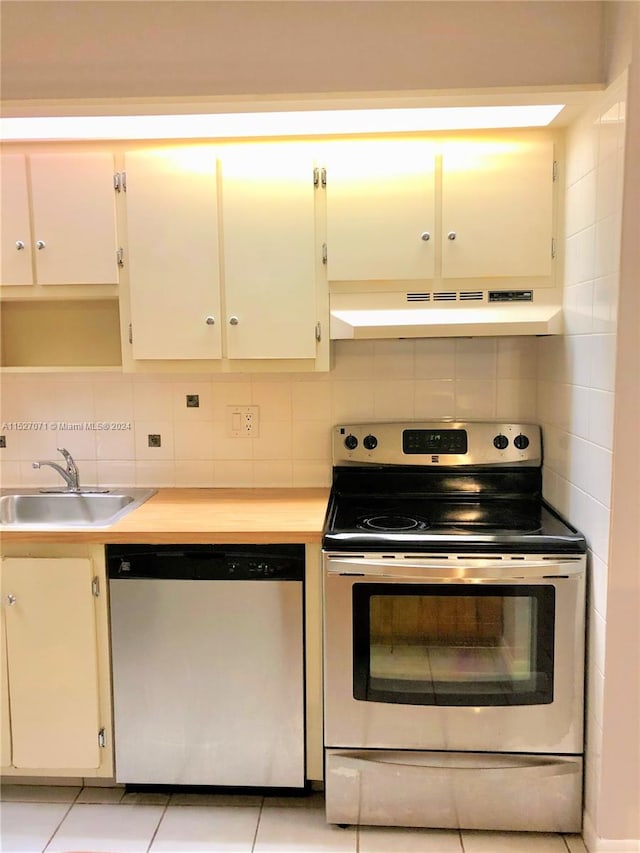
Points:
(52, 662)
(380, 209)
(15, 230)
(174, 279)
(268, 209)
(74, 217)
(497, 207)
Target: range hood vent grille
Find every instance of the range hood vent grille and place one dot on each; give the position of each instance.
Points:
(446, 296)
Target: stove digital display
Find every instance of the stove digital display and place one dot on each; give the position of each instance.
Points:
(441, 441)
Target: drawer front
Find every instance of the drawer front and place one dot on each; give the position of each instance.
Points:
(454, 790)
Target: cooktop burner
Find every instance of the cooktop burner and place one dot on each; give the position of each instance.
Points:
(391, 523)
(437, 516)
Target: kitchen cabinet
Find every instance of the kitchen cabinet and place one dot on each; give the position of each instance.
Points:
(172, 253)
(497, 205)
(58, 215)
(58, 260)
(443, 210)
(223, 260)
(56, 718)
(268, 217)
(380, 211)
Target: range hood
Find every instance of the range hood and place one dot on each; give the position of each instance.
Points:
(444, 315)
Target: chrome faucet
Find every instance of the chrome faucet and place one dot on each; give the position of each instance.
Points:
(69, 474)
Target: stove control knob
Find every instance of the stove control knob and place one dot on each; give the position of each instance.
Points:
(351, 442)
(370, 442)
(521, 442)
(501, 442)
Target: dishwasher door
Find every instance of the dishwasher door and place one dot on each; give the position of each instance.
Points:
(208, 674)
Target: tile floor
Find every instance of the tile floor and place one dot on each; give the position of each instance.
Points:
(106, 820)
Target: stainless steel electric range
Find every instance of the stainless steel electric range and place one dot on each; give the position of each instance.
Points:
(453, 632)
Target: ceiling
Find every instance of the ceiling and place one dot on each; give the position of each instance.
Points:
(154, 55)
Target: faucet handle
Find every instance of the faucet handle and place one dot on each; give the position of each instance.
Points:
(68, 458)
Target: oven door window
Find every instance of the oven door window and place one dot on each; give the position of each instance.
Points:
(435, 645)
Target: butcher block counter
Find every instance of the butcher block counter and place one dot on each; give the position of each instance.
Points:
(205, 516)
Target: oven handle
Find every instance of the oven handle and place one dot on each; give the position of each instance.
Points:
(534, 767)
(457, 571)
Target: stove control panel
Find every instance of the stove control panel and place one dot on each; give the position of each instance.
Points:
(437, 443)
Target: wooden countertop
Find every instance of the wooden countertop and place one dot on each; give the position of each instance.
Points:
(242, 516)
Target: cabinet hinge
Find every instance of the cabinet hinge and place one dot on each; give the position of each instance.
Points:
(318, 331)
(316, 177)
(120, 256)
(102, 738)
(120, 182)
(553, 247)
(555, 171)
(95, 586)
(324, 253)
(323, 178)
(130, 333)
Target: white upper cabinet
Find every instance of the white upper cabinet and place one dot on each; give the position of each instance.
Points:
(174, 276)
(15, 229)
(70, 237)
(497, 205)
(381, 211)
(222, 254)
(268, 223)
(443, 209)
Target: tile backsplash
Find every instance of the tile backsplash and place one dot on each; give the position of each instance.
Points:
(577, 378)
(369, 380)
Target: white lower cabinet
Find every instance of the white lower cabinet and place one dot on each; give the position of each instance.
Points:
(56, 716)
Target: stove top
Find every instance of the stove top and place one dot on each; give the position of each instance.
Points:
(442, 487)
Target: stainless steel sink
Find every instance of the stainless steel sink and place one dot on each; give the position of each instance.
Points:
(28, 508)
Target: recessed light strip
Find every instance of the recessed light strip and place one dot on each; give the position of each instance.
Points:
(256, 124)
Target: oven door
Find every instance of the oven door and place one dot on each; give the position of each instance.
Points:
(463, 653)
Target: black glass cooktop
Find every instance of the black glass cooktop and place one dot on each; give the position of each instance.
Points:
(387, 510)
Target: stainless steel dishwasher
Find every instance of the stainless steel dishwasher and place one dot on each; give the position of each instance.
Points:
(208, 664)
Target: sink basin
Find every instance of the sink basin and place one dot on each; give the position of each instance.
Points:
(37, 510)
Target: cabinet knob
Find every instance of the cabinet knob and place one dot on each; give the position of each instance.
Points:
(451, 235)
(210, 320)
(40, 244)
(234, 320)
(11, 599)
(425, 236)
(19, 245)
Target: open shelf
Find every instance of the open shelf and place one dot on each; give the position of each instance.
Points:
(60, 335)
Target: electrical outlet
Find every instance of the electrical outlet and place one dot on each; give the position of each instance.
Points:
(243, 421)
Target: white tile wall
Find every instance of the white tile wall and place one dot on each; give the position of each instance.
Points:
(377, 380)
(576, 379)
